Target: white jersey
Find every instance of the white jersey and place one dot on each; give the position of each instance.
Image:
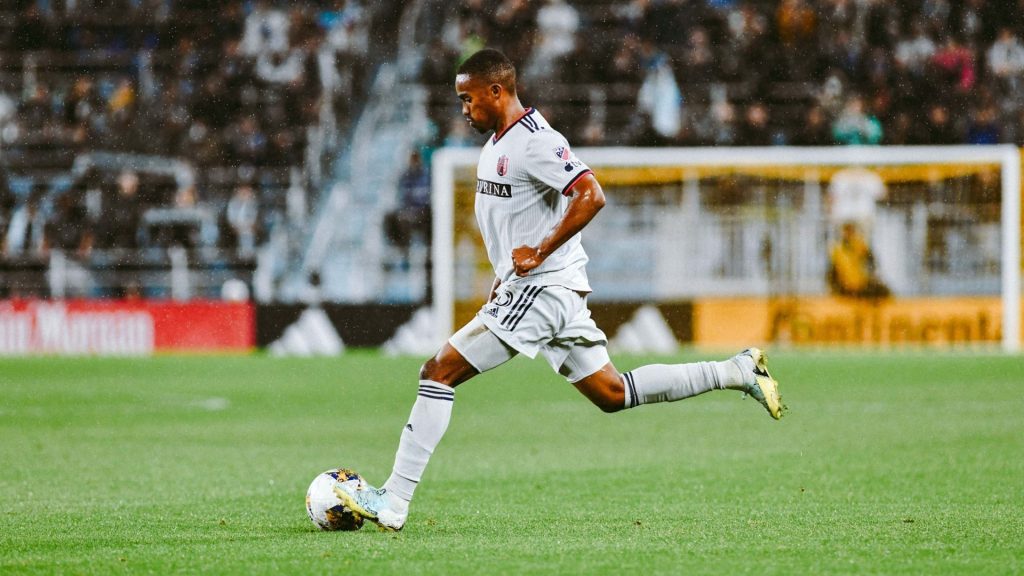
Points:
(524, 180)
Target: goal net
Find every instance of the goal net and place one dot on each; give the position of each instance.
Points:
(861, 246)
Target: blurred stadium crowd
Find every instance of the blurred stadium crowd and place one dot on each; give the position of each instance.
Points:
(233, 89)
(128, 127)
(756, 72)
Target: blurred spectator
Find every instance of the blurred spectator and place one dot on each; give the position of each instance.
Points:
(631, 15)
(852, 267)
(242, 217)
(246, 140)
(900, 132)
(626, 65)
(974, 20)
(984, 126)
(513, 25)
(723, 127)
(82, 104)
(346, 27)
(26, 232)
(557, 22)
(935, 13)
(843, 52)
(201, 143)
(815, 129)
(659, 98)
(412, 217)
(698, 59)
(795, 21)
(755, 130)
(908, 91)
(956, 65)
(36, 112)
(938, 128)
(343, 52)
(182, 225)
(882, 23)
(266, 30)
(122, 215)
(746, 25)
(68, 228)
(438, 69)
(832, 94)
(840, 14)
(747, 41)
(915, 52)
(855, 125)
(1006, 59)
(122, 100)
(796, 25)
(715, 126)
(465, 35)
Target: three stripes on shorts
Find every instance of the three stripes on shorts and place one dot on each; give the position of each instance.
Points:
(522, 304)
(526, 299)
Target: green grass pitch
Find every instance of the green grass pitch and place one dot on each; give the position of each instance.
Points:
(886, 463)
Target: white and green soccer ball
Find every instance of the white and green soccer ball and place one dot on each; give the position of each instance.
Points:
(324, 507)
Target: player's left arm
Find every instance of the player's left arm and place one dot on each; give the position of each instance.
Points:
(587, 200)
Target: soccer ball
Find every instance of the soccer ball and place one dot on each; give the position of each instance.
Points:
(324, 507)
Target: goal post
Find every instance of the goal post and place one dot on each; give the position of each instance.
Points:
(722, 228)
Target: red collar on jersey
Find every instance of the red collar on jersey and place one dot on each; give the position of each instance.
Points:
(509, 127)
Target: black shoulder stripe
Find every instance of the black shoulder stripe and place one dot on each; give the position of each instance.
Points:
(568, 187)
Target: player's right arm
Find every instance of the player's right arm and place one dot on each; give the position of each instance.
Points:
(587, 201)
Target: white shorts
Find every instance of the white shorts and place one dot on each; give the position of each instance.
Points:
(527, 319)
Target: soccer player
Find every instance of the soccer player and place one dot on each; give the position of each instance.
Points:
(534, 196)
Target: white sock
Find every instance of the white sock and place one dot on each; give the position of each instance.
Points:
(671, 382)
(427, 423)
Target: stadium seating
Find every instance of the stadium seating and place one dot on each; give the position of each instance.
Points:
(268, 94)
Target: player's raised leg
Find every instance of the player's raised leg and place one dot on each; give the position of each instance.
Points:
(746, 372)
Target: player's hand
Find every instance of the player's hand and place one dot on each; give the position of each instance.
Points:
(526, 258)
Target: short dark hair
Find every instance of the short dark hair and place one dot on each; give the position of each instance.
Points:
(492, 66)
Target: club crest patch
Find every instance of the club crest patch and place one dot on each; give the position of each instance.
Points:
(503, 299)
(502, 165)
(563, 153)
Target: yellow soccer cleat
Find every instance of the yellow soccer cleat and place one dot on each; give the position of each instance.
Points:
(765, 388)
(372, 504)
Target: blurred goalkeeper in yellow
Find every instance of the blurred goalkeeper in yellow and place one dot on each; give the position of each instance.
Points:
(534, 197)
